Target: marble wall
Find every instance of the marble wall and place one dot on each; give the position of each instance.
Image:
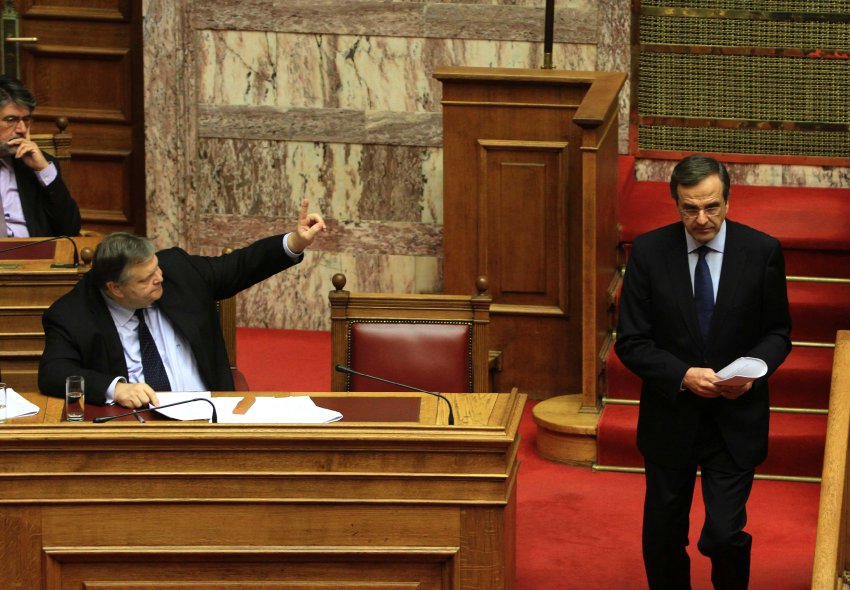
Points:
(253, 105)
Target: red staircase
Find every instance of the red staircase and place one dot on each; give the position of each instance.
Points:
(813, 226)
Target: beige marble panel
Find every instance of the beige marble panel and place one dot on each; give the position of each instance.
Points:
(614, 55)
(346, 182)
(361, 75)
(819, 176)
(757, 174)
(393, 238)
(298, 297)
(575, 21)
(163, 58)
(237, 68)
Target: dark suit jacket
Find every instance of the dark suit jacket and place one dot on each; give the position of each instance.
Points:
(49, 210)
(81, 338)
(659, 339)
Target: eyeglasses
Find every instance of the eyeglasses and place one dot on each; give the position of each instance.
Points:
(693, 212)
(13, 121)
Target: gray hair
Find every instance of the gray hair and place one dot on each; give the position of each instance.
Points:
(13, 90)
(114, 256)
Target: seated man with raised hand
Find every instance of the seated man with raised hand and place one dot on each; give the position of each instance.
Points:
(34, 200)
(142, 321)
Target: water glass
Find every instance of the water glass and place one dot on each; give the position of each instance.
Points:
(75, 398)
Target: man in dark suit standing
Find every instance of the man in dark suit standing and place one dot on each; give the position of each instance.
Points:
(142, 321)
(34, 200)
(696, 296)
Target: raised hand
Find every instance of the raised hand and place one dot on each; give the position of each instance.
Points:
(309, 226)
(29, 152)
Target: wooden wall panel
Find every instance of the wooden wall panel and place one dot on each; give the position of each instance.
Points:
(520, 183)
(86, 66)
(536, 147)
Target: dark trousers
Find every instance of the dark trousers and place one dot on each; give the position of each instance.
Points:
(669, 494)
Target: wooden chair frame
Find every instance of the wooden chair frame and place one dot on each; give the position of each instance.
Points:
(347, 308)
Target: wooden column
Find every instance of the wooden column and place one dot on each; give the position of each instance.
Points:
(530, 173)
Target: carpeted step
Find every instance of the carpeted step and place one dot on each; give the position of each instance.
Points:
(818, 310)
(802, 381)
(796, 442)
(787, 213)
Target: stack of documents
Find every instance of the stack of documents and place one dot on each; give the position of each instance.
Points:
(741, 370)
(265, 410)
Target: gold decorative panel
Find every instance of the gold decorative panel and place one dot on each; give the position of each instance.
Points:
(729, 77)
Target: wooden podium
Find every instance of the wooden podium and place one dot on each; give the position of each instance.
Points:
(29, 282)
(529, 200)
(352, 505)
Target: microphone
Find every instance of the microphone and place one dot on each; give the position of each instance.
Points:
(350, 371)
(213, 420)
(76, 262)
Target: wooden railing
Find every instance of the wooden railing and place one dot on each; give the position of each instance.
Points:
(831, 569)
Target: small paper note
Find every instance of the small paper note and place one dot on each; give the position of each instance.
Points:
(741, 370)
(17, 406)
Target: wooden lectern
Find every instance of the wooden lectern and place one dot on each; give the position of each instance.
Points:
(378, 505)
(529, 200)
(32, 278)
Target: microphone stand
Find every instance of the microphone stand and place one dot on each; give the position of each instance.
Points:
(350, 371)
(75, 264)
(213, 419)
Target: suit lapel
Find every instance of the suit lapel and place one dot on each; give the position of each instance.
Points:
(105, 325)
(676, 258)
(185, 325)
(734, 263)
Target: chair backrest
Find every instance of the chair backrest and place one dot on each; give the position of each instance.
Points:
(227, 319)
(432, 342)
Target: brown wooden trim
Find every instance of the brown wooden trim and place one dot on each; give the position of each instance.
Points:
(732, 14)
(810, 53)
(696, 122)
(122, 14)
(104, 216)
(744, 158)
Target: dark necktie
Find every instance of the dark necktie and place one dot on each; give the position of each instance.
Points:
(152, 366)
(703, 291)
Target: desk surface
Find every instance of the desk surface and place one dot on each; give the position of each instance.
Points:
(471, 409)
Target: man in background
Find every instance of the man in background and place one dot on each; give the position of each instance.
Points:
(142, 321)
(34, 200)
(698, 294)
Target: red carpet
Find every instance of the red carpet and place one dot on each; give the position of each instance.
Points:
(576, 529)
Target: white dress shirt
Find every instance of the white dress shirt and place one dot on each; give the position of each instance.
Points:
(714, 257)
(13, 212)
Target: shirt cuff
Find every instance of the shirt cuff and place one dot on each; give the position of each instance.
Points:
(286, 249)
(110, 391)
(48, 175)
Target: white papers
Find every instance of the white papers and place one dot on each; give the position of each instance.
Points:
(18, 406)
(741, 370)
(199, 410)
(299, 409)
(265, 410)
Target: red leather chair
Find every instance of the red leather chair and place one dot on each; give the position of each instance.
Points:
(431, 342)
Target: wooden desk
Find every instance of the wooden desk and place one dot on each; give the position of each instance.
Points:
(349, 505)
(27, 288)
